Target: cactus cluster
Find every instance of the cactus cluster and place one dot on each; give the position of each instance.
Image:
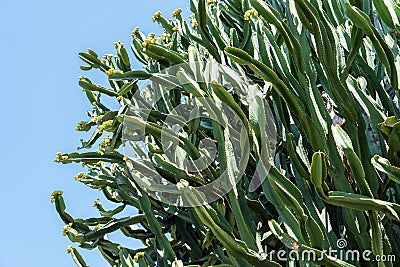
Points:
(327, 69)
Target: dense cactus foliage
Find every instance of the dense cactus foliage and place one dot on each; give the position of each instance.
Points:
(327, 69)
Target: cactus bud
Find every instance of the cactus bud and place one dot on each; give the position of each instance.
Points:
(55, 194)
(66, 229)
(135, 32)
(165, 37)
(177, 12)
(118, 44)
(156, 16)
(79, 176)
(137, 256)
(110, 71)
(105, 126)
(60, 157)
(194, 24)
(250, 13)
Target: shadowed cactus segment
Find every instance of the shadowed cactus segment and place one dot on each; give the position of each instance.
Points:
(328, 70)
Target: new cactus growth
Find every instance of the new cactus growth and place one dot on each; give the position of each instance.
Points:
(324, 73)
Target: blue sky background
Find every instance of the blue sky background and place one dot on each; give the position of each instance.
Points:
(41, 103)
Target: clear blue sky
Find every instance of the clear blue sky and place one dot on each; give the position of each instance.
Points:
(41, 103)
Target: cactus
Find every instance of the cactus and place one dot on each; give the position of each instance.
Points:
(324, 72)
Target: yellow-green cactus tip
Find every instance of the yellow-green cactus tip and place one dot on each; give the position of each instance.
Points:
(79, 176)
(135, 32)
(165, 37)
(69, 249)
(65, 230)
(137, 256)
(110, 71)
(250, 13)
(182, 184)
(156, 16)
(80, 125)
(58, 157)
(177, 12)
(56, 194)
(118, 44)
